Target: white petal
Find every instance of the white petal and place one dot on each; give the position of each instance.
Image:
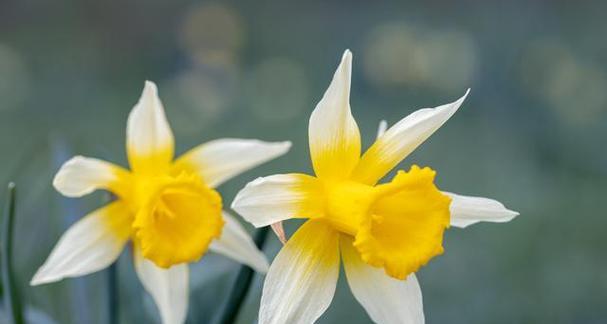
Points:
(220, 160)
(236, 243)
(467, 210)
(381, 129)
(89, 245)
(168, 287)
(271, 199)
(81, 175)
(149, 136)
(401, 139)
(386, 300)
(301, 281)
(333, 134)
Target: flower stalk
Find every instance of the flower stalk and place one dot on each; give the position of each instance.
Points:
(112, 290)
(242, 284)
(112, 281)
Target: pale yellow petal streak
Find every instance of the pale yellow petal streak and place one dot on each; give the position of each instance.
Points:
(301, 281)
(150, 143)
(333, 133)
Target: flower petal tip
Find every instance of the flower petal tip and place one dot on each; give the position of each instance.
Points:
(35, 281)
(455, 105)
(346, 60)
(58, 181)
(284, 147)
(509, 215)
(240, 202)
(236, 203)
(381, 129)
(280, 232)
(264, 267)
(62, 178)
(512, 213)
(460, 100)
(150, 92)
(41, 278)
(347, 55)
(150, 86)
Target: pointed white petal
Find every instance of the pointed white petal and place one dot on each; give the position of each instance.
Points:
(333, 133)
(467, 210)
(168, 287)
(219, 160)
(271, 199)
(81, 175)
(386, 300)
(401, 139)
(150, 141)
(91, 244)
(381, 129)
(236, 243)
(301, 281)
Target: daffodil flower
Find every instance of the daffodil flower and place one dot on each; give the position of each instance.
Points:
(383, 232)
(167, 208)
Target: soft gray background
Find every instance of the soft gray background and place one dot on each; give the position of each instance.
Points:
(532, 133)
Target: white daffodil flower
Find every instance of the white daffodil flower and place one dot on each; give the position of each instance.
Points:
(167, 208)
(383, 232)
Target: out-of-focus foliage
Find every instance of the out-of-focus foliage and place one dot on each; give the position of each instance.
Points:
(531, 133)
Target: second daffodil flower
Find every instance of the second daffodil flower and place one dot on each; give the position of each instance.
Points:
(383, 232)
(167, 208)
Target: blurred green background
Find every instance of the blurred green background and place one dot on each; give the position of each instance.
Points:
(531, 134)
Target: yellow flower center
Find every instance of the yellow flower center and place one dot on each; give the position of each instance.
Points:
(348, 204)
(398, 225)
(177, 218)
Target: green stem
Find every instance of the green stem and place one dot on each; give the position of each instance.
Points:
(11, 295)
(112, 287)
(241, 285)
(112, 280)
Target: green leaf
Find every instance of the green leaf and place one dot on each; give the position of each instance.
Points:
(11, 295)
